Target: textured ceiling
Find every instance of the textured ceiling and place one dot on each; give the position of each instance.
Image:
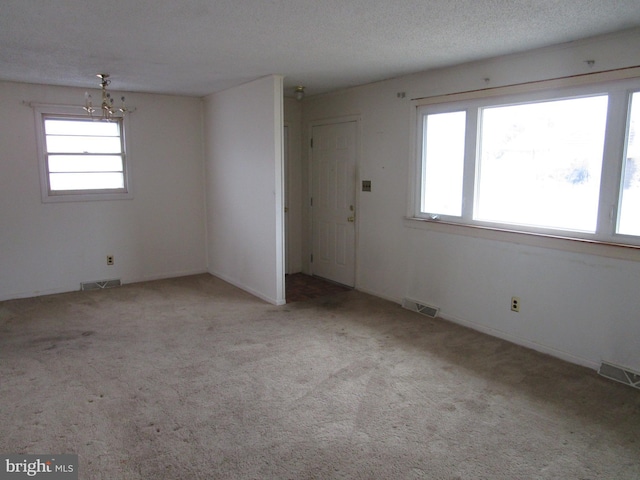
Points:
(197, 47)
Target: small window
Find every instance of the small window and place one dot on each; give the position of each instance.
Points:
(82, 158)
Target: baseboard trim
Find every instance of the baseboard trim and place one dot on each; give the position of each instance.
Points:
(567, 357)
(164, 276)
(74, 287)
(379, 295)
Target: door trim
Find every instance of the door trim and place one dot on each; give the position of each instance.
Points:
(286, 198)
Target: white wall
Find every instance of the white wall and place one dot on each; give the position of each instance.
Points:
(47, 248)
(578, 305)
(244, 185)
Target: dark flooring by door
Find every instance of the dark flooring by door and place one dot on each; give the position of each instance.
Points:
(301, 287)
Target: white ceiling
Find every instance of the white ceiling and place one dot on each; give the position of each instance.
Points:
(197, 47)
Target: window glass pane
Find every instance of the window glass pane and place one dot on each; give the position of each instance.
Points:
(540, 163)
(85, 181)
(69, 144)
(443, 163)
(81, 127)
(629, 218)
(85, 163)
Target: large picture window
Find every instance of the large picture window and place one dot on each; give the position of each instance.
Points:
(545, 162)
(81, 158)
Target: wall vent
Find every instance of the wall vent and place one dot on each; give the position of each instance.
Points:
(620, 374)
(100, 285)
(428, 310)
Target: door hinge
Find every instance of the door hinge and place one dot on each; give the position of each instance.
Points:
(312, 143)
(311, 202)
(312, 258)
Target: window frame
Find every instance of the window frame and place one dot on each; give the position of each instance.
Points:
(619, 91)
(43, 112)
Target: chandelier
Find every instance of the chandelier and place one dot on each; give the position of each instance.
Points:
(107, 109)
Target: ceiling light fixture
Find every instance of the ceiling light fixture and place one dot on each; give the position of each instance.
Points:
(299, 92)
(107, 108)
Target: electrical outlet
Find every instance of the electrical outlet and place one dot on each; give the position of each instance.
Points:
(515, 304)
(109, 259)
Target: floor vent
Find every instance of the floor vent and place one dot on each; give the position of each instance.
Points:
(102, 284)
(414, 306)
(620, 374)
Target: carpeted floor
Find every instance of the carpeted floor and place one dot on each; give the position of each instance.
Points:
(192, 378)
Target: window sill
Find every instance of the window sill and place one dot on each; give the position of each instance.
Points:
(557, 242)
(86, 197)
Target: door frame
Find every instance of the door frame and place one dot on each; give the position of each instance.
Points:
(309, 190)
(285, 155)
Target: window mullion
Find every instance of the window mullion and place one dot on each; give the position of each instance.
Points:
(470, 154)
(608, 206)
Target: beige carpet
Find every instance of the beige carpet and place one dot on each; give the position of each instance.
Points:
(192, 378)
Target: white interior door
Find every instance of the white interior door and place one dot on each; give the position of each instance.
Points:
(333, 201)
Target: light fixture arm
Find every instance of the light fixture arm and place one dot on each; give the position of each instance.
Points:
(107, 107)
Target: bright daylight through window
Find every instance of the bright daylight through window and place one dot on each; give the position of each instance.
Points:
(550, 163)
(629, 218)
(84, 155)
(81, 158)
(540, 163)
(442, 170)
